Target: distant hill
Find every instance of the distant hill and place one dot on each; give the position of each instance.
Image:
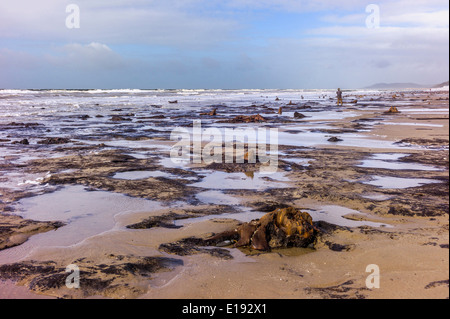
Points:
(441, 85)
(397, 86)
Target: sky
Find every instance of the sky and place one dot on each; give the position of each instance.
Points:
(222, 44)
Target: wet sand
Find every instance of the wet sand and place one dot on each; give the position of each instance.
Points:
(97, 193)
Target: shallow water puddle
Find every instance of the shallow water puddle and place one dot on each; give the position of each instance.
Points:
(425, 110)
(136, 175)
(387, 182)
(245, 216)
(21, 180)
(397, 166)
(175, 162)
(217, 198)
(335, 215)
(388, 156)
(377, 197)
(87, 213)
(138, 155)
(413, 124)
(389, 161)
(251, 180)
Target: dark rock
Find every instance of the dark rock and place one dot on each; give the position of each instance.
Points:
(246, 119)
(298, 115)
(23, 142)
(193, 245)
(54, 140)
(392, 110)
(267, 206)
(26, 125)
(284, 227)
(435, 284)
(117, 118)
(165, 221)
(212, 113)
(339, 247)
(334, 139)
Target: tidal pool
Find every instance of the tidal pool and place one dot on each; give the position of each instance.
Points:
(387, 182)
(250, 180)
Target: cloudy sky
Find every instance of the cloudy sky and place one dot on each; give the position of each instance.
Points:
(228, 44)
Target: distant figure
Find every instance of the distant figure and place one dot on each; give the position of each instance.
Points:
(339, 97)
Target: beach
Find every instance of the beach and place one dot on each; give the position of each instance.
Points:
(87, 179)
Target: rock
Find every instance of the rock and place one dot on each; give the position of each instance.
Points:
(354, 101)
(267, 206)
(14, 230)
(284, 227)
(165, 221)
(212, 113)
(334, 139)
(280, 111)
(54, 140)
(85, 117)
(392, 110)
(173, 102)
(158, 117)
(298, 115)
(26, 125)
(23, 142)
(290, 103)
(247, 119)
(117, 118)
(193, 245)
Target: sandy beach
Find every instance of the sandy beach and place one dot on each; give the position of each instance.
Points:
(94, 186)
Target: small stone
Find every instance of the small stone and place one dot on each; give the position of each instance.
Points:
(298, 115)
(334, 139)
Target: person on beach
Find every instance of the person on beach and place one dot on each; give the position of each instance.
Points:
(339, 97)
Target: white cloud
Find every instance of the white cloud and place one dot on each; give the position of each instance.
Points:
(438, 19)
(189, 41)
(94, 56)
(172, 23)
